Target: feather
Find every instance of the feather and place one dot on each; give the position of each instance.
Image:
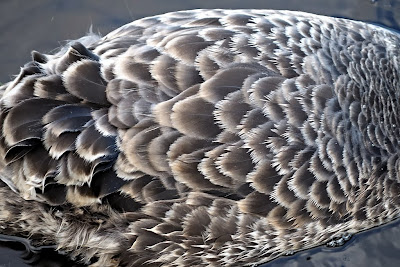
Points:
(82, 79)
(18, 127)
(186, 47)
(236, 162)
(66, 118)
(226, 81)
(91, 145)
(49, 87)
(162, 111)
(76, 52)
(194, 117)
(106, 183)
(22, 91)
(203, 138)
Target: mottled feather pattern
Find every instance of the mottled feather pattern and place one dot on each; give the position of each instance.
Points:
(204, 138)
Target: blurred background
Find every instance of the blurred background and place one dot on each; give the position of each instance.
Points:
(44, 25)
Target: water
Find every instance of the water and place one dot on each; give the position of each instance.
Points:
(18, 252)
(42, 24)
(377, 247)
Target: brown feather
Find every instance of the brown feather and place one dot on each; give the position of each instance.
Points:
(203, 138)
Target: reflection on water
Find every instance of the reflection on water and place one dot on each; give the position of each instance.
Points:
(18, 252)
(378, 247)
(41, 24)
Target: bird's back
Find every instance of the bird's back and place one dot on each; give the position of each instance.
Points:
(204, 138)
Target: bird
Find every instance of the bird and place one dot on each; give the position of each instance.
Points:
(203, 138)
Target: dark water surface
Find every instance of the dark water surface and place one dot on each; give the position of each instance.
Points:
(44, 25)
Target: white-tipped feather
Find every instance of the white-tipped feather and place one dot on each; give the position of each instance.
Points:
(203, 138)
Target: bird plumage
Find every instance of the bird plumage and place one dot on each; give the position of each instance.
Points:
(204, 138)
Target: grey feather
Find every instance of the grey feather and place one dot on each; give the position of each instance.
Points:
(204, 138)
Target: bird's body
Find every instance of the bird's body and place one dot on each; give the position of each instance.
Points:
(204, 138)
